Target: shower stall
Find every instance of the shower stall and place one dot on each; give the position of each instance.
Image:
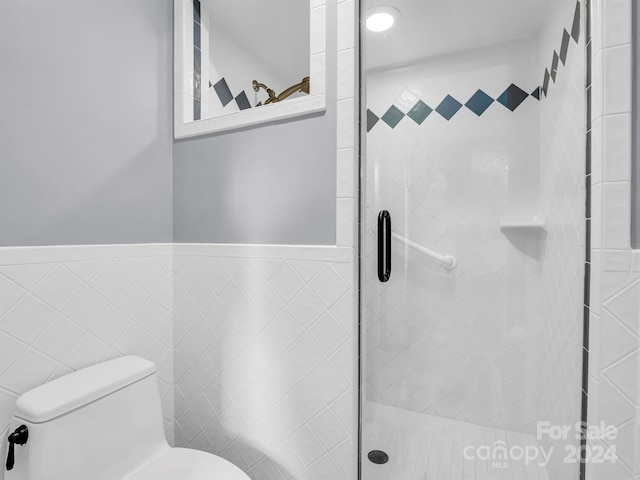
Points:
(473, 238)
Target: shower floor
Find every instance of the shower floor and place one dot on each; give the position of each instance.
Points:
(426, 447)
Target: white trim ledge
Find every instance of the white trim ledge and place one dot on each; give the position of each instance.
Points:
(320, 253)
(295, 107)
(71, 253)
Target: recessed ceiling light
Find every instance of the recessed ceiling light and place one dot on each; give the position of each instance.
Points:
(381, 19)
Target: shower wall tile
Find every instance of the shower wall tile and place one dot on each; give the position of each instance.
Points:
(498, 340)
(562, 198)
(265, 362)
(615, 293)
(65, 308)
(438, 341)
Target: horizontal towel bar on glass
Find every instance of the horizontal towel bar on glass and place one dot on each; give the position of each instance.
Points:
(448, 261)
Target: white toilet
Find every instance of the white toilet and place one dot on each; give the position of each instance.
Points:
(103, 423)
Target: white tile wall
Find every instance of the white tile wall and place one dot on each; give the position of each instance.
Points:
(562, 197)
(265, 358)
(459, 344)
(615, 297)
(265, 364)
(64, 308)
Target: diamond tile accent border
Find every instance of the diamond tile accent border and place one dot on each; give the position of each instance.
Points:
(65, 308)
(511, 98)
(392, 116)
(223, 92)
(372, 119)
(479, 102)
(448, 107)
(419, 112)
(242, 101)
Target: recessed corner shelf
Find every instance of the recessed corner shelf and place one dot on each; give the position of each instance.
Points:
(537, 222)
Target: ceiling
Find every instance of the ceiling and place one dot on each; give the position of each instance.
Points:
(427, 28)
(277, 32)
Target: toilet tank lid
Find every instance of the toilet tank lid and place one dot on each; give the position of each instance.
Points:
(81, 387)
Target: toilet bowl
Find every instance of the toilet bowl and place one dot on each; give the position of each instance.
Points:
(102, 423)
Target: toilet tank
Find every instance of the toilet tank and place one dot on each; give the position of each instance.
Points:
(99, 423)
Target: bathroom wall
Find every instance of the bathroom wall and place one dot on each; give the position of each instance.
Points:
(237, 187)
(86, 304)
(65, 308)
(86, 124)
(614, 331)
(85, 158)
(266, 349)
(562, 200)
(459, 344)
(264, 359)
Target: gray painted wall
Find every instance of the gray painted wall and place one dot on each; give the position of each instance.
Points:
(85, 122)
(273, 184)
(86, 140)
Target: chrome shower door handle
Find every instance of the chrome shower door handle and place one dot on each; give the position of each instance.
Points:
(384, 246)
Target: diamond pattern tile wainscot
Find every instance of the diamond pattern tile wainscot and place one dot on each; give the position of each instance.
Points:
(264, 373)
(64, 311)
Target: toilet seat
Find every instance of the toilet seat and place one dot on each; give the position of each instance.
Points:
(188, 464)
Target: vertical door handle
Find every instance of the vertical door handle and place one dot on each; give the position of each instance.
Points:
(384, 246)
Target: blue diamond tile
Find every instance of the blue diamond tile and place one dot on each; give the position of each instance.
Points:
(545, 83)
(554, 66)
(419, 112)
(512, 97)
(564, 47)
(575, 29)
(448, 107)
(243, 101)
(372, 119)
(223, 92)
(393, 116)
(536, 93)
(479, 102)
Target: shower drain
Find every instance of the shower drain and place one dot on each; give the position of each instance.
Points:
(378, 457)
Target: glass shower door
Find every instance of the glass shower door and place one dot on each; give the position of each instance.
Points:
(473, 239)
